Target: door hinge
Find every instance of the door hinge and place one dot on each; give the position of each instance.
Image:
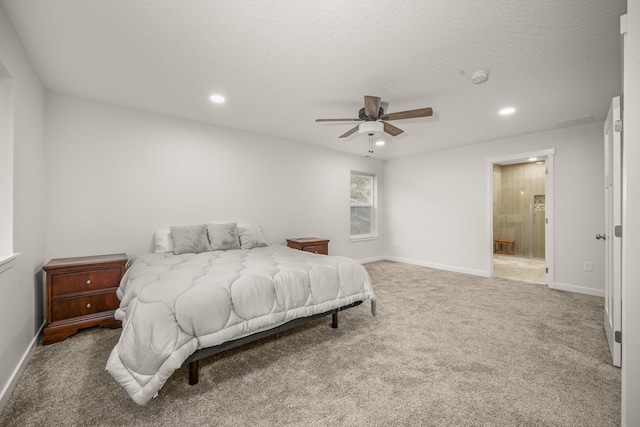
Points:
(546, 220)
(617, 231)
(546, 270)
(546, 171)
(617, 126)
(617, 337)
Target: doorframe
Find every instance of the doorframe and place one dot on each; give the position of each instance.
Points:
(548, 156)
(614, 208)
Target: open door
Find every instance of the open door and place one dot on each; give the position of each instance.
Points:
(613, 231)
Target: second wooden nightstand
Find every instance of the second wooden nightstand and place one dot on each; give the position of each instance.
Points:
(316, 245)
(81, 292)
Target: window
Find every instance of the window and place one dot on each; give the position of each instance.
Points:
(362, 204)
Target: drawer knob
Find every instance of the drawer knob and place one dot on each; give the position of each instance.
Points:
(315, 252)
(89, 305)
(88, 282)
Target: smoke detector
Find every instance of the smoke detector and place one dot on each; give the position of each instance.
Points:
(479, 77)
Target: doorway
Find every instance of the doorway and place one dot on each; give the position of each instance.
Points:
(521, 212)
(518, 219)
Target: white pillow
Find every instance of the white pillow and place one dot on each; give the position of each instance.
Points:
(162, 241)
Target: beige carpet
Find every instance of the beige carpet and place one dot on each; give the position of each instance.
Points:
(446, 349)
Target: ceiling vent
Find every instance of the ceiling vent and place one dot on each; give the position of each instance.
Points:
(574, 121)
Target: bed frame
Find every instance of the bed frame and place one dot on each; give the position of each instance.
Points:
(193, 360)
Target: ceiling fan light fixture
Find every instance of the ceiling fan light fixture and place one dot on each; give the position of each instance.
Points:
(371, 128)
(376, 121)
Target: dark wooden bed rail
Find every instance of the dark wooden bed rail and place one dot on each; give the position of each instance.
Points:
(193, 360)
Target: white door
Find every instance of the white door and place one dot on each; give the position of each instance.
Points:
(612, 237)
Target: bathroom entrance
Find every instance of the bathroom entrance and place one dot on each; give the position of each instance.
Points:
(519, 215)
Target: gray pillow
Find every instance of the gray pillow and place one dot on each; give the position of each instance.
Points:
(251, 236)
(190, 239)
(223, 237)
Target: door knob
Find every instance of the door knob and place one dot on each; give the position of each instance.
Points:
(603, 237)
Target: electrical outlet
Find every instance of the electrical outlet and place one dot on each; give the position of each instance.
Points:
(588, 266)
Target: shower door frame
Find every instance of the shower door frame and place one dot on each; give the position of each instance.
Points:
(547, 156)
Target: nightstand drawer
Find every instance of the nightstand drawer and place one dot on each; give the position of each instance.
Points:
(71, 283)
(65, 308)
(319, 249)
(316, 245)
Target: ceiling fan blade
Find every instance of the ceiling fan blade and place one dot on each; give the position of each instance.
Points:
(409, 114)
(372, 105)
(338, 120)
(391, 129)
(349, 132)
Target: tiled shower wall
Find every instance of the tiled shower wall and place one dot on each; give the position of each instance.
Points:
(518, 207)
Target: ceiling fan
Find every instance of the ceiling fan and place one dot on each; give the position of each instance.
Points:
(373, 112)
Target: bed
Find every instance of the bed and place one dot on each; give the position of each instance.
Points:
(189, 301)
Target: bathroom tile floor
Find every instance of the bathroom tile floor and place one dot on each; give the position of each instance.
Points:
(515, 268)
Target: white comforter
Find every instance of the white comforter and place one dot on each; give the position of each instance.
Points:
(172, 305)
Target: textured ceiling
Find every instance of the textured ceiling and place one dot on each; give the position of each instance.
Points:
(283, 63)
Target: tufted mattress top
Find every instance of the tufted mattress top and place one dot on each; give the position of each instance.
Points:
(172, 305)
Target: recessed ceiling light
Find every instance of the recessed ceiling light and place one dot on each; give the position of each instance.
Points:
(381, 142)
(217, 99)
(533, 159)
(506, 111)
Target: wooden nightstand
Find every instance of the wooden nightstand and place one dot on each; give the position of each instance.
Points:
(81, 292)
(316, 245)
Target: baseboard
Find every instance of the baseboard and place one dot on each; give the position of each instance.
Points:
(557, 286)
(577, 289)
(5, 394)
(438, 266)
(368, 260)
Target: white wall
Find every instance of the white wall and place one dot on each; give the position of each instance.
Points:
(114, 175)
(22, 293)
(437, 213)
(631, 222)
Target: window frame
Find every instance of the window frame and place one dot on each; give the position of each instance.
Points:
(374, 207)
(7, 124)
